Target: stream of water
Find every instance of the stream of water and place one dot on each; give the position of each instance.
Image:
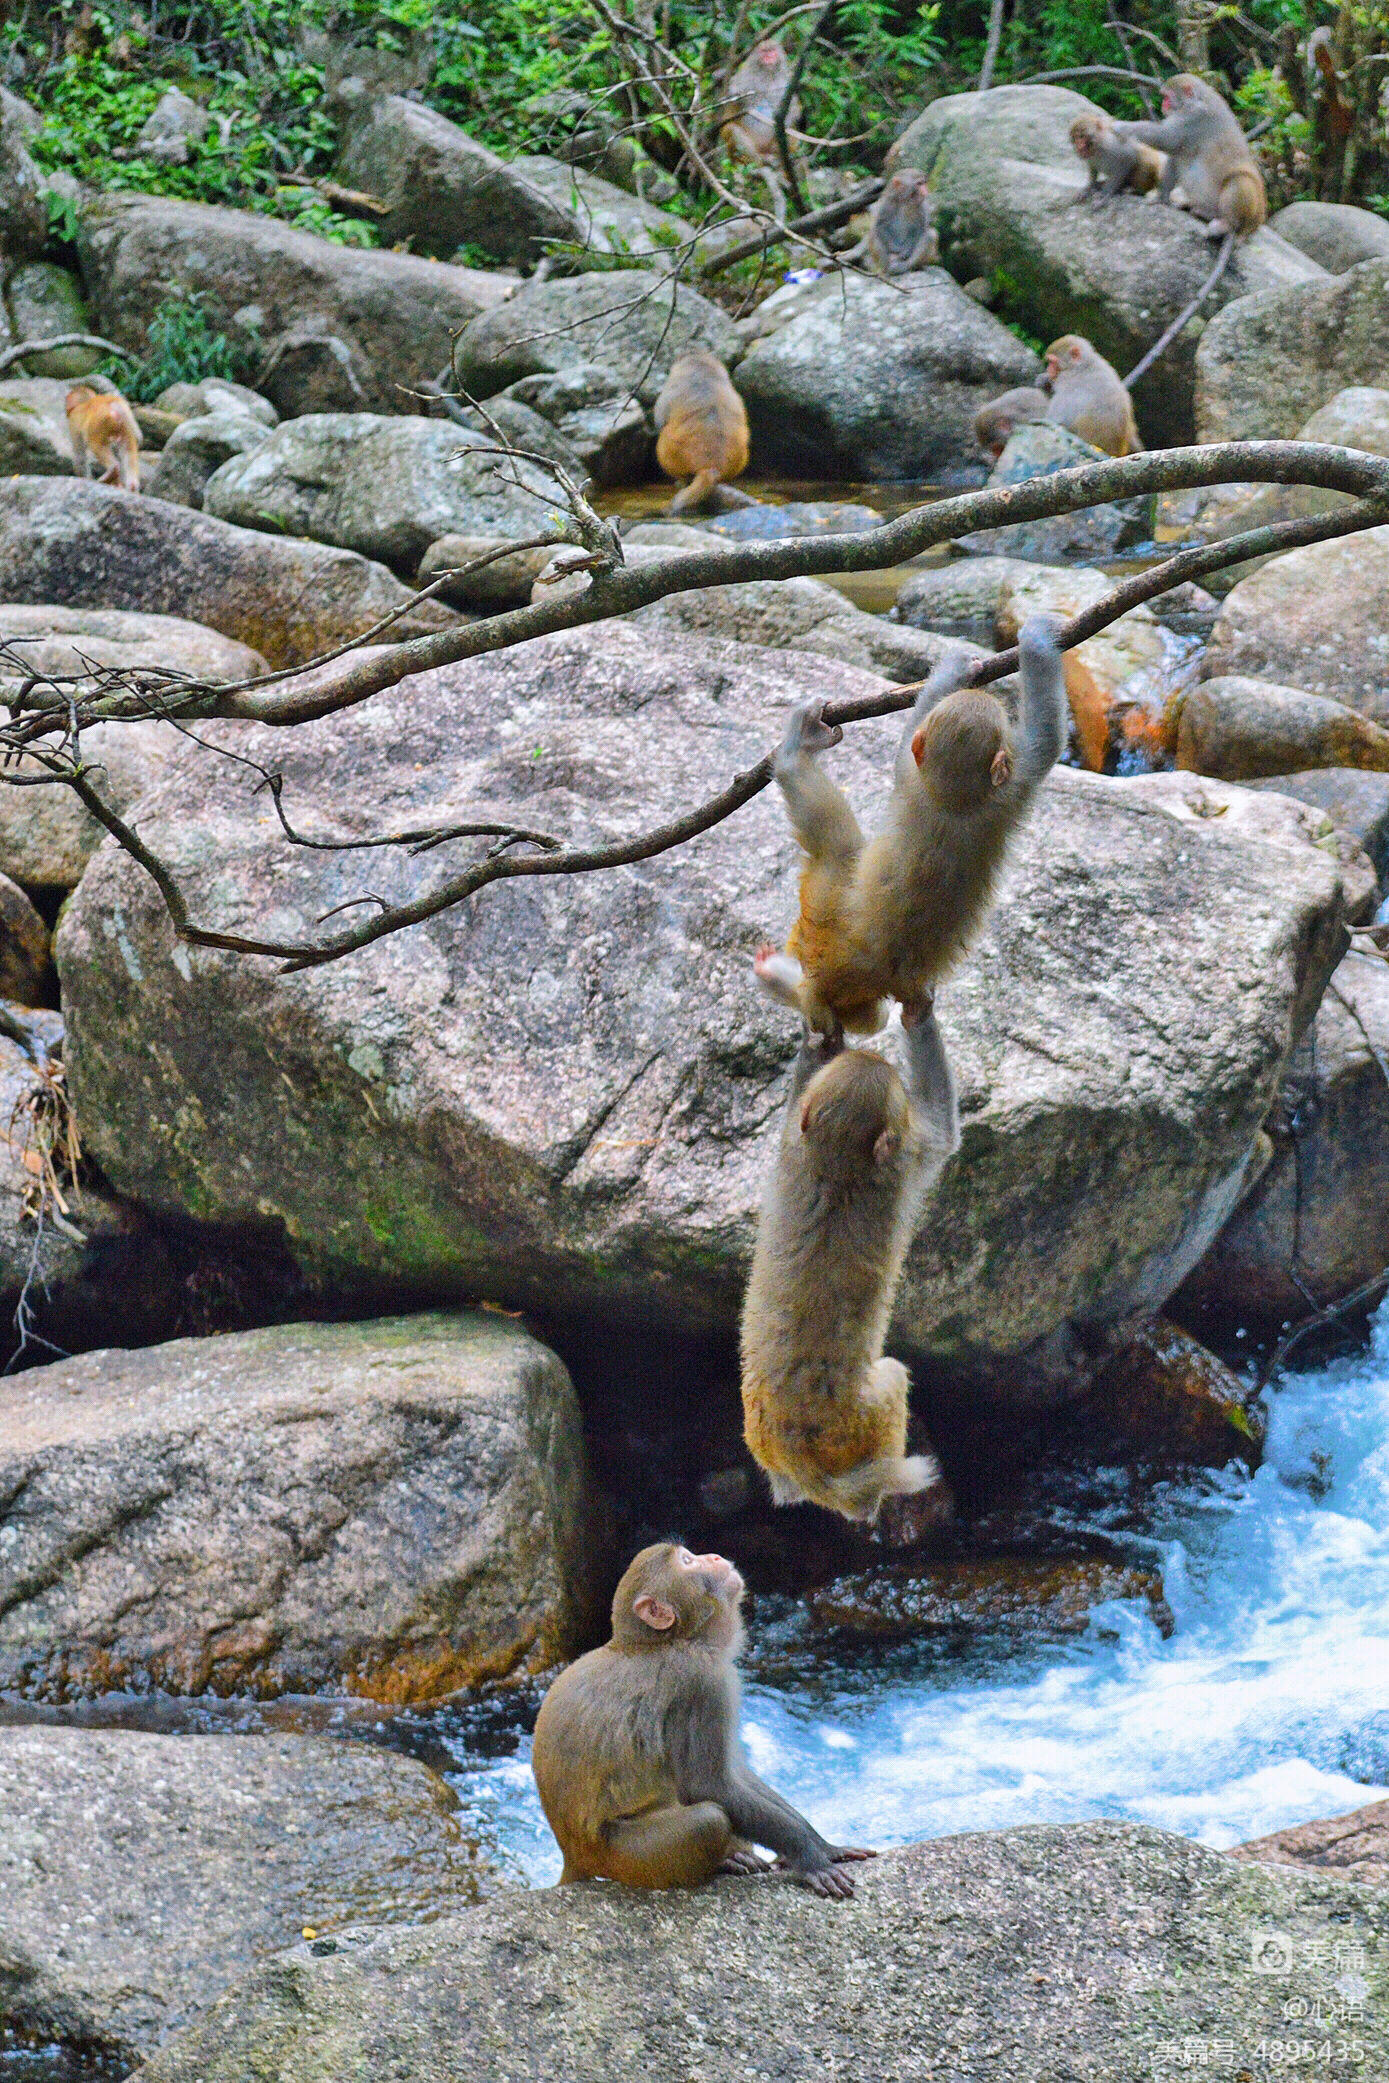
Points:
(1267, 1706)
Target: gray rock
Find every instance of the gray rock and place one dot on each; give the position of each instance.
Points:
(308, 368)
(1335, 235)
(870, 379)
(507, 582)
(174, 126)
(507, 421)
(91, 546)
(399, 1112)
(394, 1509)
(23, 947)
(23, 204)
(44, 301)
(444, 190)
(216, 395)
(37, 1249)
(795, 517)
(258, 277)
(385, 487)
(1356, 803)
(196, 448)
(142, 1874)
(34, 438)
(978, 1958)
(632, 324)
(594, 412)
(799, 615)
(1313, 618)
(1006, 187)
(960, 599)
(1084, 537)
(1267, 362)
(1239, 729)
(1317, 1222)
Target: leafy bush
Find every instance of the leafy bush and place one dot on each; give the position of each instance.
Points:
(183, 348)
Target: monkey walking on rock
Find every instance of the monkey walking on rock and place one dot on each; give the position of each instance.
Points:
(636, 1753)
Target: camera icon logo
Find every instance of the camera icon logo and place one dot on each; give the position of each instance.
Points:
(1271, 1953)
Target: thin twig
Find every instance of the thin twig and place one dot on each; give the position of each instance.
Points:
(1318, 1319)
(826, 219)
(1164, 339)
(779, 119)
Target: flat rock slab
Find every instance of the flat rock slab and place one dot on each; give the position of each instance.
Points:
(396, 1509)
(566, 1094)
(141, 1874)
(1077, 1955)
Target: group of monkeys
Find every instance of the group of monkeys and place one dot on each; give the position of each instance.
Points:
(636, 1755)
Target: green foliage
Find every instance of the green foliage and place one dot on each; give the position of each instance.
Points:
(183, 348)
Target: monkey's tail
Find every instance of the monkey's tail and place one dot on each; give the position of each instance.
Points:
(1164, 340)
(1243, 202)
(700, 487)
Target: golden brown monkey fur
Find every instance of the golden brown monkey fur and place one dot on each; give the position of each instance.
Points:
(636, 1752)
(1113, 161)
(889, 917)
(702, 427)
(1208, 154)
(824, 1413)
(1088, 396)
(104, 431)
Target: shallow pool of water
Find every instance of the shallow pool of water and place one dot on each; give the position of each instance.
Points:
(1268, 1706)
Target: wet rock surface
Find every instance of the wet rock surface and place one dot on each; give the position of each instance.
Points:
(975, 1957)
(395, 1508)
(565, 1095)
(141, 1874)
(1092, 533)
(1034, 1598)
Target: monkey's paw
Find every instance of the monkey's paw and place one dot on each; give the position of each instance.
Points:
(811, 732)
(745, 1862)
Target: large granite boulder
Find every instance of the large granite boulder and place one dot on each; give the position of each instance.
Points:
(632, 324)
(1242, 730)
(978, 1958)
(443, 190)
(396, 1508)
(258, 279)
(198, 447)
(1086, 536)
(594, 413)
(566, 1093)
(1267, 361)
(34, 438)
(1316, 1225)
(1007, 190)
(1335, 235)
(1352, 1847)
(1313, 619)
(870, 379)
(23, 200)
(44, 300)
(141, 1874)
(90, 546)
(385, 486)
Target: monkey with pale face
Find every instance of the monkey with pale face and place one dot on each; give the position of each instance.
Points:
(996, 424)
(901, 235)
(1114, 161)
(824, 1413)
(1208, 154)
(636, 1752)
(889, 917)
(1088, 396)
(702, 427)
(104, 432)
(755, 93)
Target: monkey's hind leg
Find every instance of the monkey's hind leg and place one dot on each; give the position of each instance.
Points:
(675, 1847)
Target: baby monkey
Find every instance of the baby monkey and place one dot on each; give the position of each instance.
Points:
(636, 1753)
(103, 431)
(824, 1413)
(1114, 161)
(889, 917)
(702, 428)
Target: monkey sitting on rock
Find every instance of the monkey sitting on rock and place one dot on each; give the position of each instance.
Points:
(1088, 396)
(636, 1752)
(1208, 154)
(901, 235)
(825, 1414)
(702, 429)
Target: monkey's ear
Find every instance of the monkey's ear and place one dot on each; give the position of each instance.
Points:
(654, 1611)
(1001, 767)
(886, 1146)
(919, 744)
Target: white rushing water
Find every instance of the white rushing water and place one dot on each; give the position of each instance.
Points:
(1268, 1706)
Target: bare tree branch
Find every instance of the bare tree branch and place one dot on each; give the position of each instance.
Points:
(25, 348)
(827, 219)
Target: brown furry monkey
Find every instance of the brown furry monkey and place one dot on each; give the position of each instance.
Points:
(1207, 152)
(1114, 162)
(636, 1753)
(1088, 396)
(702, 427)
(104, 431)
(823, 1412)
(749, 128)
(887, 918)
(901, 236)
(996, 424)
